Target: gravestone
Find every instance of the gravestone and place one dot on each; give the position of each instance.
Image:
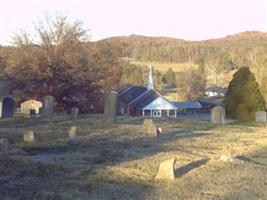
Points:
(72, 133)
(231, 159)
(218, 115)
(110, 107)
(32, 113)
(7, 107)
(166, 170)
(29, 105)
(159, 130)
(4, 145)
(48, 106)
(29, 136)
(150, 128)
(261, 116)
(74, 113)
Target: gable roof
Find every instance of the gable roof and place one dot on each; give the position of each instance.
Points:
(145, 99)
(187, 104)
(130, 93)
(160, 103)
(216, 89)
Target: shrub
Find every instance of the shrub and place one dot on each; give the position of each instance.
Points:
(243, 97)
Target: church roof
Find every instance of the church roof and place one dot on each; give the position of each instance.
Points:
(130, 93)
(187, 104)
(145, 99)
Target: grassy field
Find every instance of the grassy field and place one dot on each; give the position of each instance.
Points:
(223, 78)
(120, 161)
(163, 67)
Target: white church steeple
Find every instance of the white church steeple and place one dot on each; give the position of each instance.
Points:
(150, 84)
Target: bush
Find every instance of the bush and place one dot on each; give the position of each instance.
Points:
(243, 97)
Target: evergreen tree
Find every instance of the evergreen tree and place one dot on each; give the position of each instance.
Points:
(243, 98)
(169, 77)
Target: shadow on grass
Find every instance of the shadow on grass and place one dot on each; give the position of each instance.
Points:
(189, 167)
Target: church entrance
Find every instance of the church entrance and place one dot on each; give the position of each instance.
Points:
(156, 113)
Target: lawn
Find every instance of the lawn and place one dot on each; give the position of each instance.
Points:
(120, 161)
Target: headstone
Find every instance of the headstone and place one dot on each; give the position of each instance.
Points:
(159, 130)
(4, 145)
(32, 113)
(231, 159)
(72, 133)
(166, 170)
(149, 127)
(261, 116)
(48, 106)
(110, 107)
(218, 115)
(29, 136)
(29, 105)
(8, 107)
(74, 113)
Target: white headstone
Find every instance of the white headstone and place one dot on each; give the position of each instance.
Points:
(166, 170)
(218, 115)
(72, 133)
(29, 105)
(29, 136)
(261, 116)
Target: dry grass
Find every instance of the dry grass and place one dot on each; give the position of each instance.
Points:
(120, 162)
(163, 67)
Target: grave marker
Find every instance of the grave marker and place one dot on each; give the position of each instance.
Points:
(48, 106)
(218, 115)
(110, 107)
(261, 117)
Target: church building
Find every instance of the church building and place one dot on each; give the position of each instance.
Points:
(144, 101)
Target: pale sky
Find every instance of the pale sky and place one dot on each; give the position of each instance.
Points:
(185, 19)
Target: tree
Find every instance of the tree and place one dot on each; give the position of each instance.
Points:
(214, 63)
(62, 63)
(169, 77)
(132, 74)
(243, 98)
(191, 85)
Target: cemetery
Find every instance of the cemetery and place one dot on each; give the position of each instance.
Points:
(53, 155)
(120, 157)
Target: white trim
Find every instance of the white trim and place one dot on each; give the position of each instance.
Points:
(157, 104)
(138, 97)
(126, 89)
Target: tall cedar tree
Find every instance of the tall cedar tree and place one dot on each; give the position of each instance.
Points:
(169, 77)
(243, 98)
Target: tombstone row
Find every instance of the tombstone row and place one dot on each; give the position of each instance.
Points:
(218, 116)
(30, 136)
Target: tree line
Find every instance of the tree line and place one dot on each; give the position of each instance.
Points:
(63, 62)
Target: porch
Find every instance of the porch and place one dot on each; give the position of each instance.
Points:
(159, 113)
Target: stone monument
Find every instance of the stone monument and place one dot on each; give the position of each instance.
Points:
(261, 116)
(166, 170)
(74, 112)
(110, 107)
(218, 115)
(48, 106)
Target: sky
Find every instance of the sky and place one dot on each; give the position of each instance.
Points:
(185, 19)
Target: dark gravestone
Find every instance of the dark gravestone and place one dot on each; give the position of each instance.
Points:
(8, 106)
(110, 107)
(5, 147)
(48, 106)
(32, 113)
(74, 113)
